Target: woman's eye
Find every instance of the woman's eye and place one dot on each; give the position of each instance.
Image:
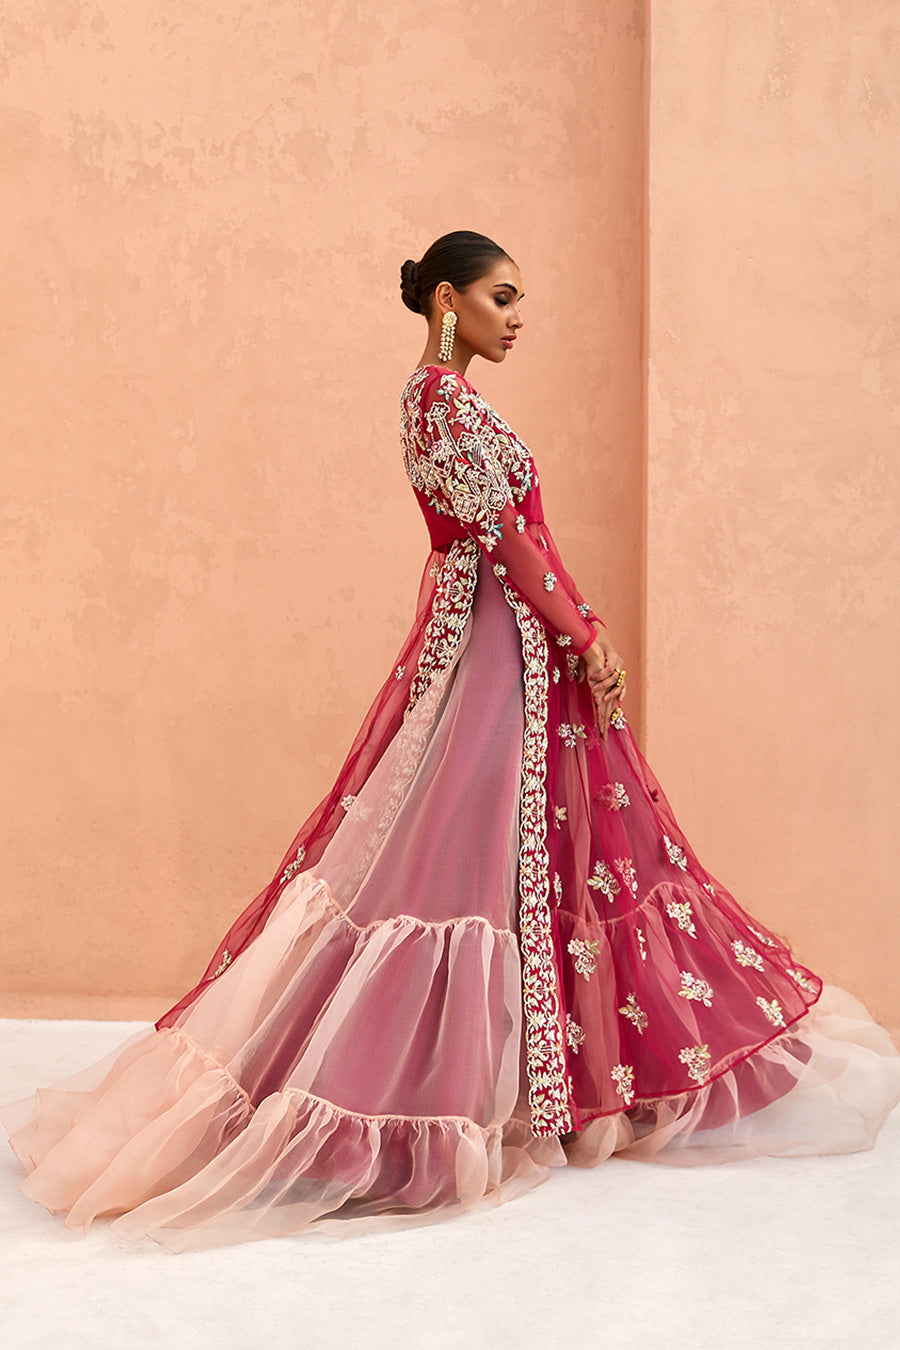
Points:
(502, 300)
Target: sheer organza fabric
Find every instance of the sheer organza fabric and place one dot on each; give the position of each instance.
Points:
(362, 1058)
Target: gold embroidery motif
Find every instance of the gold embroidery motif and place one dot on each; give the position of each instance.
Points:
(572, 662)
(556, 674)
(761, 937)
(549, 581)
(583, 609)
(612, 797)
(625, 868)
(520, 524)
(563, 640)
(585, 954)
(347, 802)
(692, 987)
(676, 853)
(603, 880)
(697, 1058)
(634, 1013)
(574, 1035)
(450, 611)
(559, 815)
(294, 866)
(226, 962)
(707, 886)
(569, 734)
(545, 1050)
(746, 955)
(641, 943)
(623, 1077)
(398, 673)
(499, 570)
(681, 912)
(772, 1009)
(799, 978)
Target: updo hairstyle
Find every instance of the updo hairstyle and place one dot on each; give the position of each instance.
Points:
(460, 258)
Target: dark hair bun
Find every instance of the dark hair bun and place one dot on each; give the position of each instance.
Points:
(409, 286)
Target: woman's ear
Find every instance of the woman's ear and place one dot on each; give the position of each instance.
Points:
(443, 295)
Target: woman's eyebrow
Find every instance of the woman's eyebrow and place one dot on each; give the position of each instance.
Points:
(509, 286)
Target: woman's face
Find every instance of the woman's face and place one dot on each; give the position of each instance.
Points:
(488, 315)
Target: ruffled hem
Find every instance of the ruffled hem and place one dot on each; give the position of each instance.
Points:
(169, 1146)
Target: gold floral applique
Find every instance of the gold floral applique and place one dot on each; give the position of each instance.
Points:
(676, 853)
(226, 962)
(574, 1035)
(585, 956)
(799, 978)
(682, 913)
(695, 989)
(634, 1013)
(612, 797)
(641, 943)
(293, 866)
(559, 815)
(623, 1077)
(746, 955)
(569, 734)
(772, 1009)
(549, 581)
(603, 880)
(697, 1058)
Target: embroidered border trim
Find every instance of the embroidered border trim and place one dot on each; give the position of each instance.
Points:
(452, 606)
(545, 1054)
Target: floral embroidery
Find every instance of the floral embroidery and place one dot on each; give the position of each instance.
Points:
(549, 581)
(463, 458)
(800, 978)
(294, 866)
(707, 886)
(520, 524)
(746, 955)
(676, 854)
(574, 1035)
(560, 813)
(634, 1013)
(583, 609)
(761, 937)
(556, 674)
(557, 886)
(612, 797)
(692, 987)
(499, 570)
(585, 954)
(641, 943)
(618, 719)
(569, 734)
(572, 662)
(773, 1010)
(603, 880)
(451, 609)
(398, 673)
(682, 913)
(545, 1051)
(697, 1058)
(435, 569)
(625, 868)
(226, 962)
(347, 802)
(623, 1077)
(563, 640)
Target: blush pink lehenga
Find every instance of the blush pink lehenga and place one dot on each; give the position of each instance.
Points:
(490, 951)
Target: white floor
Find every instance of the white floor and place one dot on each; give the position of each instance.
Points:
(763, 1254)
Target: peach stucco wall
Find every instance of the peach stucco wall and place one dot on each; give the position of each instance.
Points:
(773, 582)
(211, 553)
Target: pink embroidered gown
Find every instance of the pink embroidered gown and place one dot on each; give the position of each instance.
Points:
(489, 951)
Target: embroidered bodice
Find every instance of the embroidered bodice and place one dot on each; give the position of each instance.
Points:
(474, 478)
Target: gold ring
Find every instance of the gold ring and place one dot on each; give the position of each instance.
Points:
(621, 680)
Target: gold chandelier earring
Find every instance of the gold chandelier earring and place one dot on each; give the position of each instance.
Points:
(448, 327)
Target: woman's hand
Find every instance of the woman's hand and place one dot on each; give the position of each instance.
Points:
(603, 672)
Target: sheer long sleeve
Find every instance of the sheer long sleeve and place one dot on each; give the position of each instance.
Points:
(473, 471)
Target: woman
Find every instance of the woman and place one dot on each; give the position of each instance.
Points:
(490, 950)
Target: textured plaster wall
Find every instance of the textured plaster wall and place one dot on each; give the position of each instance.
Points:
(773, 597)
(210, 552)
